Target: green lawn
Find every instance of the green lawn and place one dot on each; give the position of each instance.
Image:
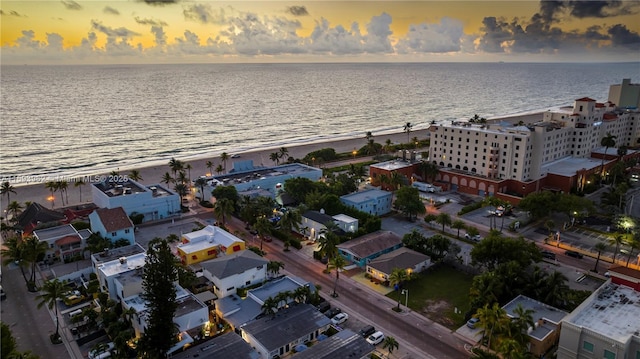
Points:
(436, 293)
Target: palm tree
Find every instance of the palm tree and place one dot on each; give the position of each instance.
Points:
(52, 291)
(633, 243)
(222, 209)
(263, 227)
(607, 141)
(52, 186)
(224, 157)
(62, 187)
(556, 289)
(175, 166)
(396, 278)
(491, 321)
(284, 153)
(209, 165)
(328, 241)
(338, 263)
(7, 189)
(458, 224)
(521, 323)
(188, 167)
(79, 183)
(387, 145)
(283, 297)
(14, 208)
(270, 306)
(201, 182)
(407, 128)
(182, 190)
(13, 252)
(444, 219)
(275, 157)
(430, 217)
(390, 343)
(135, 175)
(34, 250)
(219, 169)
(273, 267)
(302, 294)
(166, 178)
(291, 219)
(599, 247)
(617, 241)
(182, 178)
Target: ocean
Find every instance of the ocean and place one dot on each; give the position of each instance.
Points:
(75, 120)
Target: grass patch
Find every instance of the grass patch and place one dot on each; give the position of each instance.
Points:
(436, 293)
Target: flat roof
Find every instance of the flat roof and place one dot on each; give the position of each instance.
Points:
(55, 232)
(613, 312)
(228, 346)
(363, 196)
(207, 237)
(120, 188)
(343, 344)
(250, 174)
(115, 267)
(549, 315)
(272, 288)
(116, 253)
(371, 243)
(392, 165)
(568, 166)
(188, 305)
(158, 190)
(240, 311)
(344, 218)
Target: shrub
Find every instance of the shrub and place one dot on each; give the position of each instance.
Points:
(206, 204)
(468, 208)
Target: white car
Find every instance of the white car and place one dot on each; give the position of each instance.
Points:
(375, 338)
(102, 351)
(340, 318)
(235, 156)
(475, 238)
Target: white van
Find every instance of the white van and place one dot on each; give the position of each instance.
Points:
(75, 312)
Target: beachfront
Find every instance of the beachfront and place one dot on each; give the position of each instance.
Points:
(36, 191)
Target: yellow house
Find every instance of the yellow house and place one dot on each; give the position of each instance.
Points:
(208, 243)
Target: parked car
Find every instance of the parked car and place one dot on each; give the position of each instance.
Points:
(102, 351)
(73, 299)
(548, 255)
(323, 307)
(367, 331)
(471, 323)
(332, 312)
(340, 318)
(375, 338)
(475, 238)
(235, 156)
(574, 254)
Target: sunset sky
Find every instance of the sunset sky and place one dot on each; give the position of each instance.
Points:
(156, 31)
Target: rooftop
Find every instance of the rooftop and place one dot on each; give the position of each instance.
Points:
(363, 196)
(613, 312)
(238, 311)
(344, 344)
(123, 264)
(569, 165)
(235, 263)
(159, 191)
(392, 165)
(274, 287)
(546, 317)
(286, 326)
(121, 188)
(371, 243)
(400, 258)
(318, 217)
(227, 346)
(188, 305)
(116, 253)
(53, 233)
(344, 218)
(114, 219)
(244, 172)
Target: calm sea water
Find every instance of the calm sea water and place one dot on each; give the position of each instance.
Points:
(89, 119)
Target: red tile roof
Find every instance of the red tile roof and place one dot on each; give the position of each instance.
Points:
(585, 99)
(68, 240)
(114, 219)
(625, 271)
(609, 116)
(599, 105)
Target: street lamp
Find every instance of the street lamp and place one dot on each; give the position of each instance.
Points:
(406, 297)
(354, 153)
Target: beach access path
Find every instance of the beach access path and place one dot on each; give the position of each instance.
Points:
(36, 192)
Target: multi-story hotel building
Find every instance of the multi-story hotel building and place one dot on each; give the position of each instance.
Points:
(517, 155)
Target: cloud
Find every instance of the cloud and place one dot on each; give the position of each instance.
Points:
(254, 35)
(204, 14)
(71, 5)
(160, 2)
(597, 8)
(159, 35)
(445, 36)
(623, 37)
(11, 13)
(378, 32)
(297, 10)
(149, 21)
(110, 10)
(120, 32)
(338, 40)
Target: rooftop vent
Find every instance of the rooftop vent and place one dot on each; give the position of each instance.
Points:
(123, 260)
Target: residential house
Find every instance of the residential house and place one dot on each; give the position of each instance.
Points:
(373, 201)
(606, 324)
(208, 243)
(343, 344)
(403, 258)
(112, 224)
(154, 202)
(346, 223)
(277, 335)
(227, 346)
(37, 215)
(111, 263)
(237, 270)
(364, 249)
(313, 224)
(546, 329)
(63, 242)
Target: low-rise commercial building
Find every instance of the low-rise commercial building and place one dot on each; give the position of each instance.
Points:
(373, 201)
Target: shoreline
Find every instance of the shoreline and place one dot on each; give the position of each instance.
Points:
(152, 173)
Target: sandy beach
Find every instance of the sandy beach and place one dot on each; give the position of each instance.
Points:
(37, 192)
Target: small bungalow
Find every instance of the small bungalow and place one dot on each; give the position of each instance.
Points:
(364, 249)
(346, 223)
(112, 224)
(238, 270)
(314, 223)
(208, 243)
(403, 258)
(228, 346)
(343, 344)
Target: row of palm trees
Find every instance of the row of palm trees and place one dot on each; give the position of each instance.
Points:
(301, 294)
(26, 253)
(181, 177)
(281, 154)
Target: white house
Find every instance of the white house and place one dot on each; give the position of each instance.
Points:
(110, 264)
(346, 223)
(314, 223)
(112, 224)
(63, 242)
(237, 270)
(154, 202)
(374, 201)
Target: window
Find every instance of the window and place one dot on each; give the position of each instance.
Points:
(211, 252)
(230, 288)
(587, 346)
(609, 354)
(127, 230)
(113, 234)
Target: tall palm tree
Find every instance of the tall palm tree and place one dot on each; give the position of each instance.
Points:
(14, 208)
(600, 246)
(135, 175)
(387, 145)
(390, 343)
(52, 186)
(209, 165)
(522, 321)
(275, 157)
(458, 224)
(166, 178)
(407, 128)
(7, 189)
(492, 321)
(302, 294)
(188, 167)
(13, 252)
(328, 241)
(396, 278)
(607, 141)
(224, 157)
(270, 306)
(284, 153)
(78, 184)
(51, 291)
(62, 187)
(556, 288)
(219, 169)
(201, 182)
(181, 190)
(34, 250)
(291, 219)
(444, 219)
(617, 240)
(263, 227)
(175, 166)
(222, 209)
(338, 263)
